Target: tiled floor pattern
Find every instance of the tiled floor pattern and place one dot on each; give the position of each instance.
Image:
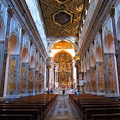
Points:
(63, 110)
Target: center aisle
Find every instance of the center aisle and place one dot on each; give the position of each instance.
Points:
(63, 110)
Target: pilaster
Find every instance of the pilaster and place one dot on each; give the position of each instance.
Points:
(117, 50)
(10, 14)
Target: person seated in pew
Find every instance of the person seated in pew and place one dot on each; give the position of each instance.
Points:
(78, 93)
(48, 91)
(51, 90)
(75, 91)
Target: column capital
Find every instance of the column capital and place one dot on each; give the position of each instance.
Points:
(10, 11)
(100, 30)
(23, 30)
(48, 66)
(112, 12)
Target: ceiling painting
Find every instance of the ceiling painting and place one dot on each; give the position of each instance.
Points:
(62, 17)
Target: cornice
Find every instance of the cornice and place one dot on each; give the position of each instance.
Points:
(97, 21)
(26, 19)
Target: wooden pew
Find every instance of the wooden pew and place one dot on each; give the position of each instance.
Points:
(33, 112)
(112, 116)
(24, 106)
(16, 117)
(90, 111)
(39, 103)
(85, 102)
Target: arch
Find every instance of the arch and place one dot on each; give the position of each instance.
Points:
(32, 61)
(24, 55)
(12, 44)
(2, 29)
(92, 61)
(37, 66)
(99, 55)
(109, 44)
(52, 43)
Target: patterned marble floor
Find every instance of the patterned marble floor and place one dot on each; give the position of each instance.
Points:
(63, 110)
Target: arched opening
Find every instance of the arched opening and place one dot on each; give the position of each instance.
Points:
(37, 66)
(99, 55)
(92, 61)
(52, 44)
(32, 61)
(109, 44)
(12, 44)
(63, 70)
(62, 45)
(24, 55)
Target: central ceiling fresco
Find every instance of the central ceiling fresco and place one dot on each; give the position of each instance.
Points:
(62, 17)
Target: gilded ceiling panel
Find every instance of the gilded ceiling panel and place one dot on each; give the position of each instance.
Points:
(61, 17)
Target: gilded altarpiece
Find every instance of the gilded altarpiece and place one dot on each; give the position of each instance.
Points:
(36, 81)
(88, 79)
(100, 74)
(110, 73)
(31, 80)
(13, 75)
(93, 78)
(65, 71)
(63, 78)
(1, 60)
(24, 78)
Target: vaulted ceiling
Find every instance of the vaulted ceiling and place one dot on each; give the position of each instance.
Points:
(63, 17)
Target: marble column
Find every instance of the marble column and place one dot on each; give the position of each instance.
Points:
(31, 81)
(24, 79)
(102, 48)
(1, 62)
(24, 70)
(88, 81)
(117, 49)
(13, 76)
(40, 82)
(48, 75)
(36, 82)
(10, 14)
(110, 75)
(100, 78)
(93, 78)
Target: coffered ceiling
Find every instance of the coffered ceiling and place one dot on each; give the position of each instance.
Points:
(63, 17)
